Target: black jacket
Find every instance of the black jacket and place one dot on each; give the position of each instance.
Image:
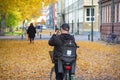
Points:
(31, 32)
(57, 42)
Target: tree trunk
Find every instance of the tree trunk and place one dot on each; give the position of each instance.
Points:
(2, 26)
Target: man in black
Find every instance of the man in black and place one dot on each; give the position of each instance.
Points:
(57, 40)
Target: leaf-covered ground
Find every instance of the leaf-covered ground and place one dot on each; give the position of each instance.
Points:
(20, 60)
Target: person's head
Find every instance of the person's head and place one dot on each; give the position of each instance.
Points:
(65, 28)
(31, 25)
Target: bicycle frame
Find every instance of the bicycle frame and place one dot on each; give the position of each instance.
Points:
(67, 68)
(67, 72)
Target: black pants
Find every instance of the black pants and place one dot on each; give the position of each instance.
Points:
(31, 39)
(59, 76)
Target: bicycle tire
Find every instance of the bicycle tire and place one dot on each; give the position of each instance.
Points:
(52, 74)
(67, 76)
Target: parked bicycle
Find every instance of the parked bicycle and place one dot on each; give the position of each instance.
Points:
(111, 38)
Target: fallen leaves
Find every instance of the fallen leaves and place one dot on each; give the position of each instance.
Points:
(97, 60)
(20, 60)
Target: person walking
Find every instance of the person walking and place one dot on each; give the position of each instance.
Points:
(57, 40)
(31, 32)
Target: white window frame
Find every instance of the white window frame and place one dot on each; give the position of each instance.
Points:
(89, 14)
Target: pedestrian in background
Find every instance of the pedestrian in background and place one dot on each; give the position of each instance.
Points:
(31, 32)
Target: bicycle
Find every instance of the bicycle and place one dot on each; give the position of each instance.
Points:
(67, 74)
(111, 38)
(52, 73)
(67, 68)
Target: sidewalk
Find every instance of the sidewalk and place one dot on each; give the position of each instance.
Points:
(47, 37)
(43, 37)
(86, 38)
(10, 37)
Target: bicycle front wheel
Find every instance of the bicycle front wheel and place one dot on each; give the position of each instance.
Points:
(52, 74)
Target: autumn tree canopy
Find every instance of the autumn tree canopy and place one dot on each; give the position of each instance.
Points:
(20, 10)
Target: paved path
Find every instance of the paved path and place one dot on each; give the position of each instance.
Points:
(47, 37)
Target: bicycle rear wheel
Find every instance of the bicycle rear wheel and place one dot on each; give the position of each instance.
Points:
(67, 76)
(52, 74)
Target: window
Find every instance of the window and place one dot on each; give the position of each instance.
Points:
(109, 14)
(115, 14)
(119, 12)
(89, 12)
(66, 3)
(80, 15)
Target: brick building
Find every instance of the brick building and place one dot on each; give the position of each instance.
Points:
(109, 18)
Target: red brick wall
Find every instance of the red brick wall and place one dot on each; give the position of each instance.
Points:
(117, 29)
(107, 28)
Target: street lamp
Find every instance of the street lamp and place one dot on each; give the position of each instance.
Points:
(92, 22)
(112, 16)
(100, 19)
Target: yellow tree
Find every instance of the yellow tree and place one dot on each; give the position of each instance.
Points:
(25, 8)
(29, 8)
(48, 2)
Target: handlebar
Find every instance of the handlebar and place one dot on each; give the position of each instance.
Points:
(77, 46)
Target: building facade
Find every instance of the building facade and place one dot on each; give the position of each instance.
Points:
(109, 18)
(60, 12)
(79, 13)
(51, 16)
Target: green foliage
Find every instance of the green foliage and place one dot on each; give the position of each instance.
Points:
(15, 33)
(12, 20)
